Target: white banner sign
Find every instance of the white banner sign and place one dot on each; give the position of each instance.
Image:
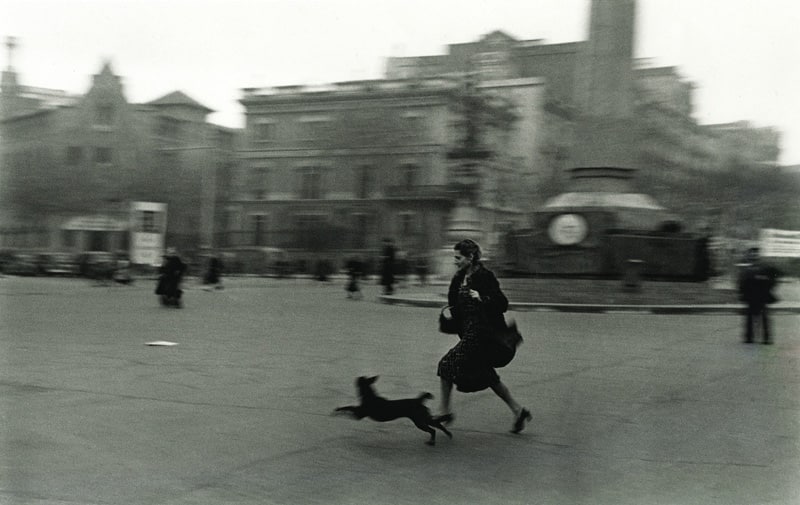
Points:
(95, 223)
(148, 228)
(780, 243)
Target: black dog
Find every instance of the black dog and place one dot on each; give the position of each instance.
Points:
(380, 409)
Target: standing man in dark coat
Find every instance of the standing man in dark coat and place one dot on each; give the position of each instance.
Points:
(355, 270)
(756, 283)
(213, 279)
(387, 266)
(169, 281)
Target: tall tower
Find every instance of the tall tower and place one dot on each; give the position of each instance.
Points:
(606, 73)
(8, 86)
(604, 93)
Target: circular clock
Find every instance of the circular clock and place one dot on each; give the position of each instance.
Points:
(568, 229)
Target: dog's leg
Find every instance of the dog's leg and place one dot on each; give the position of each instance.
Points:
(424, 427)
(439, 425)
(353, 410)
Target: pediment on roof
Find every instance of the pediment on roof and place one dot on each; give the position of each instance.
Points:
(498, 38)
(179, 98)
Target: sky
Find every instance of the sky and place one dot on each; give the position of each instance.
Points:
(742, 55)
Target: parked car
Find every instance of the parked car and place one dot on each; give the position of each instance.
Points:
(5, 258)
(22, 264)
(265, 261)
(97, 265)
(59, 264)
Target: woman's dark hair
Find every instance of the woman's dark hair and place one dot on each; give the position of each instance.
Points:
(467, 247)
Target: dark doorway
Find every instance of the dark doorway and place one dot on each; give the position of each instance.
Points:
(98, 241)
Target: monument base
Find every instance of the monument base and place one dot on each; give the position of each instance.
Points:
(464, 223)
(444, 263)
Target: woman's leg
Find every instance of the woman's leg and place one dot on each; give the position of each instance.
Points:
(765, 338)
(521, 415)
(447, 389)
(503, 392)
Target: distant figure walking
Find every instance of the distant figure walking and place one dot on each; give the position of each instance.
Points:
(213, 278)
(122, 271)
(355, 270)
(421, 268)
(756, 283)
(169, 279)
(387, 266)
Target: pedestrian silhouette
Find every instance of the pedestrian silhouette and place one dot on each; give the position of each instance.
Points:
(756, 283)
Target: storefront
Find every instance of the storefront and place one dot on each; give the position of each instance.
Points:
(96, 232)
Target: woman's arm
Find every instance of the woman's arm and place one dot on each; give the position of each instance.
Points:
(452, 291)
(492, 297)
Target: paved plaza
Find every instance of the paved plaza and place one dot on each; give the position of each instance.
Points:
(628, 408)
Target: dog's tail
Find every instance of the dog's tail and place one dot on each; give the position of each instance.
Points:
(424, 396)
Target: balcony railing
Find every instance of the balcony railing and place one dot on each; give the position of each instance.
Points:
(422, 191)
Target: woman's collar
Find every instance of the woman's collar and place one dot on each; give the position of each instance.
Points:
(472, 269)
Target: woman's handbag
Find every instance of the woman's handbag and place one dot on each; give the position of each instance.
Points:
(448, 325)
(503, 344)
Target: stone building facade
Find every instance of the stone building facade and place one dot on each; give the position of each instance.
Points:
(669, 146)
(73, 164)
(333, 170)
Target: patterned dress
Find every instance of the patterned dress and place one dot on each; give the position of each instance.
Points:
(465, 363)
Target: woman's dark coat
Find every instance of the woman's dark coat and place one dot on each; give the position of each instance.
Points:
(493, 301)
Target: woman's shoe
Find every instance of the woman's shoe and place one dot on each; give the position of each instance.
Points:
(445, 418)
(523, 417)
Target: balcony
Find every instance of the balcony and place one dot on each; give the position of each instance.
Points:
(424, 192)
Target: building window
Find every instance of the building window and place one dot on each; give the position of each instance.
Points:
(258, 183)
(169, 160)
(363, 182)
(258, 226)
(148, 222)
(309, 231)
(168, 128)
(314, 128)
(406, 225)
(492, 65)
(413, 125)
(104, 115)
(231, 219)
(230, 235)
(311, 184)
(501, 192)
(74, 155)
(265, 131)
(103, 155)
(360, 231)
(68, 238)
(409, 176)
